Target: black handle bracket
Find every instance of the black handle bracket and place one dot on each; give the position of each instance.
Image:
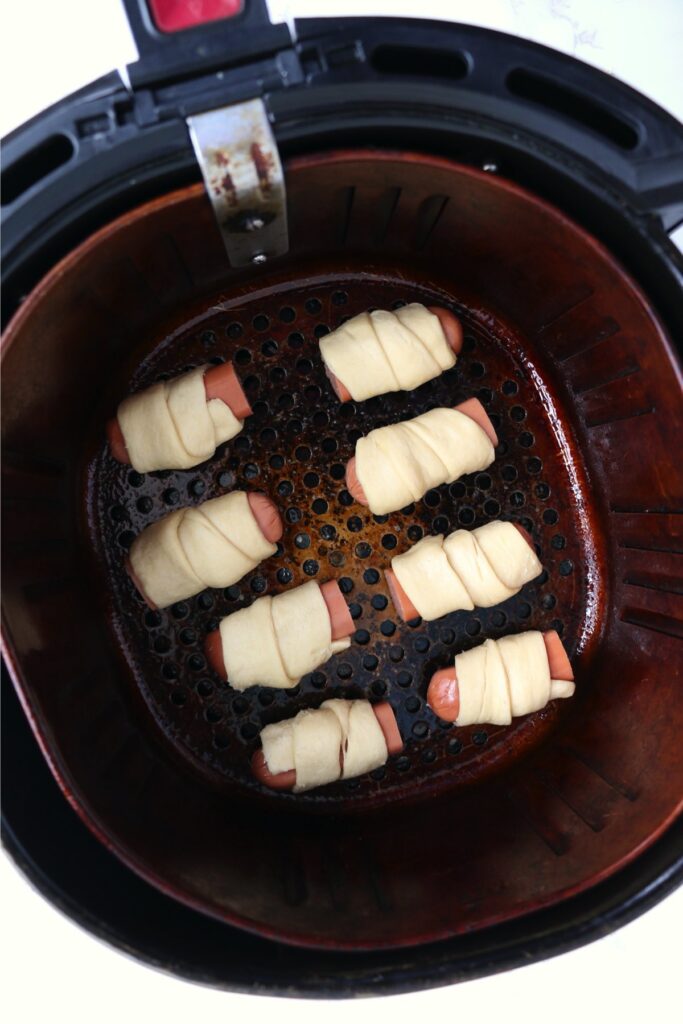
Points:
(170, 56)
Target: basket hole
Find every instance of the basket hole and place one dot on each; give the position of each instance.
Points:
(421, 61)
(40, 162)
(573, 105)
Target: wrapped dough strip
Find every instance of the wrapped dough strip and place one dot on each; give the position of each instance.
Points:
(220, 382)
(340, 621)
(286, 780)
(264, 512)
(472, 408)
(452, 330)
(404, 606)
(443, 694)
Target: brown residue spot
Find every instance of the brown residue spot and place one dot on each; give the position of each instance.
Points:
(264, 165)
(225, 186)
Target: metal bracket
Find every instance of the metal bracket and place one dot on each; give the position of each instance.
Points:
(240, 164)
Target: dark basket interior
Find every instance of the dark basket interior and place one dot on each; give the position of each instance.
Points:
(466, 827)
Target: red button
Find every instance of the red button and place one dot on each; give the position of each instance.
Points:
(174, 15)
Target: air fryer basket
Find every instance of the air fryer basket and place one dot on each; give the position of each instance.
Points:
(466, 827)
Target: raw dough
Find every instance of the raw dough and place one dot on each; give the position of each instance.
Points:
(213, 545)
(172, 426)
(466, 570)
(504, 678)
(398, 464)
(341, 739)
(277, 640)
(381, 351)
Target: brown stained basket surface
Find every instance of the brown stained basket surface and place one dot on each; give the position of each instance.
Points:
(467, 826)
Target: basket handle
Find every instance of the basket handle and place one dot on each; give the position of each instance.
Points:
(176, 39)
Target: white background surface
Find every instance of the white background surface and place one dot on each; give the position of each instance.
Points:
(52, 970)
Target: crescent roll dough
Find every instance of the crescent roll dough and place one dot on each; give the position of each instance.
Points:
(172, 425)
(381, 351)
(504, 678)
(213, 545)
(467, 569)
(400, 463)
(277, 640)
(340, 740)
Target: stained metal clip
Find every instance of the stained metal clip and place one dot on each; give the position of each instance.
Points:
(240, 164)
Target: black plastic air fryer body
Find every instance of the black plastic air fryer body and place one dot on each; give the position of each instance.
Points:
(610, 159)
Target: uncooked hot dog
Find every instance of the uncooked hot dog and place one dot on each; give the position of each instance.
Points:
(473, 410)
(212, 545)
(405, 607)
(453, 333)
(443, 694)
(220, 382)
(286, 780)
(341, 627)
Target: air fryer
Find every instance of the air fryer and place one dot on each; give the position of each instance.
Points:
(421, 162)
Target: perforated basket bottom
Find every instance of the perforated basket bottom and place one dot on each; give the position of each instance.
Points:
(295, 448)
